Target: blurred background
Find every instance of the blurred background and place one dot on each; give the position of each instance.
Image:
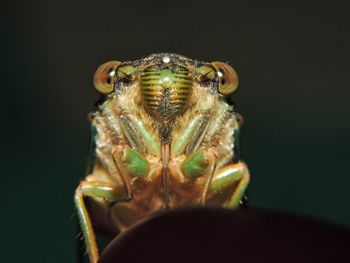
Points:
(292, 60)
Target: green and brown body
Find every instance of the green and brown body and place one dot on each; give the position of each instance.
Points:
(163, 137)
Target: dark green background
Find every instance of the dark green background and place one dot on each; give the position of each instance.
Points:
(293, 63)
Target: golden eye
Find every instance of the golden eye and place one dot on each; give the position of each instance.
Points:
(228, 79)
(103, 79)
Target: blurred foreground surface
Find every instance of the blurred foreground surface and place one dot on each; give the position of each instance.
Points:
(220, 235)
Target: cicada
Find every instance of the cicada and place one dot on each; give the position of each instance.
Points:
(163, 136)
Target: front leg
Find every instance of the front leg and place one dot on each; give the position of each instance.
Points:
(101, 192)
(232, 179)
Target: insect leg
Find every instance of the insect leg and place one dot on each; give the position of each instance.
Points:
(138, 135)
(233, 178)
(96, 190)
(210, 173)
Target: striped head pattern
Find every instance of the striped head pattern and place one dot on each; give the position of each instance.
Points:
(165, 89)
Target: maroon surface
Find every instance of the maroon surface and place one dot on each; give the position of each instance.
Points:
(219, 235)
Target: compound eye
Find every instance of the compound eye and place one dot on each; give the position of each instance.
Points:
(104, 76)
(228, 79)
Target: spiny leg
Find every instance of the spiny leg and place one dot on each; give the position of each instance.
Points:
(234, 178)
(97, 190)
(210, 173)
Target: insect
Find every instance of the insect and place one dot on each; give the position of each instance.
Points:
(163, 136)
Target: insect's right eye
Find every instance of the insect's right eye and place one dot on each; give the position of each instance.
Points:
(104, 77)
(228, 79)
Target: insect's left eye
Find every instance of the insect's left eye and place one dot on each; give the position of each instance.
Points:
(104, 77)
(228, 79)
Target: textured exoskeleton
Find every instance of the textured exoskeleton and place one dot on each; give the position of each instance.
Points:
(163, 136)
